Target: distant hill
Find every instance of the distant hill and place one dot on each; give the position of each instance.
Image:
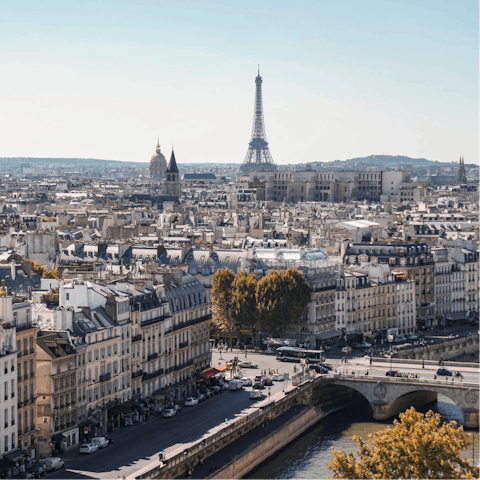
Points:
(389, 161)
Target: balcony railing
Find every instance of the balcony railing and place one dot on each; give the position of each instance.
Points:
(183, 344)
(149, 376)
(105, 377)
(137, 374)
(152, 356)
(137, 338)
(183, 365)
(191, 322)
(152, 321)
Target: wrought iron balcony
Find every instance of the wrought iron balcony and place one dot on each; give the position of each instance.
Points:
(105, 377)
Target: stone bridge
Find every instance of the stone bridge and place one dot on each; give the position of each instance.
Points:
(388, 396)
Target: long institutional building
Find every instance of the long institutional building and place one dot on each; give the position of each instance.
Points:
(334, 186)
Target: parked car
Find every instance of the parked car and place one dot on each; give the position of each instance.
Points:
(259, 378)
(245, 364)
(258, 385)
(412, 337)
(366, 345)
(169, 412)
(191, 401)
(201, 397)
(267, 381)
(246, 381)
(102, 442)
(347, 349)
(445, 372)
(234, 385)
(53, 463)
(256, 394)
(88, 448)
(277, 377)
(327, 366)
(217, 389)
(393, 373)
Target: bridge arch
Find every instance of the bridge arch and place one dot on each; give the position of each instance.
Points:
(388, 397)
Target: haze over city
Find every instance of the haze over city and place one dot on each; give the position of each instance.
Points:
(340, 80)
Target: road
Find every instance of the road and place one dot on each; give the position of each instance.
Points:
(137, 446)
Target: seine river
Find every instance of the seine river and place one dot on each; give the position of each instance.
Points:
(308, 456)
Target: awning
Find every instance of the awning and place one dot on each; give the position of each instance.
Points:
(89, 421)
(59, 437)
(117, 410)
(16, 455)
(329, 334)
(220, 369)
(209, 372)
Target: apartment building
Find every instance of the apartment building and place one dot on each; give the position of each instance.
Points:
(57, 393)
(414, 260)
(374, 301)
(8, 389)
(103, 366)
(466, 260)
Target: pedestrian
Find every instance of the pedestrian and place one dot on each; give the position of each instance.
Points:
(435, 376)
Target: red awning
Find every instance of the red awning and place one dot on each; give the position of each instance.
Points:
(209, 372)
(220, 369)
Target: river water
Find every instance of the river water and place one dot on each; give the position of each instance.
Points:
(307, 457)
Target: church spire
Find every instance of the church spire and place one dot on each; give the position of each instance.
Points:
(172, 165)
(158, 146)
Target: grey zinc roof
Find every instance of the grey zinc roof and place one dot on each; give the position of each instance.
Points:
(192, 293)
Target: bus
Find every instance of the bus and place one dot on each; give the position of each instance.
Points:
(295, 354)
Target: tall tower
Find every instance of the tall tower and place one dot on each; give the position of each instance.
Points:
(461, 174)
(258, 155)
(171, 184)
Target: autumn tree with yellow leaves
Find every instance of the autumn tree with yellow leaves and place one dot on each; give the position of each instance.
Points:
(417, 446)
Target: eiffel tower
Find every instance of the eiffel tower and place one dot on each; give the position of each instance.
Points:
(258, 155)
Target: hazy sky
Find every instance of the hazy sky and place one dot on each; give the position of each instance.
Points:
(341, 79)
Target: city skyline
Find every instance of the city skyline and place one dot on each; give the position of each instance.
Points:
(105, 80)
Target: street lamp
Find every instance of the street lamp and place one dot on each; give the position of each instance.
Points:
(269, 393)
(390, 340)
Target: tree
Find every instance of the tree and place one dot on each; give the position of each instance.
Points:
(244, 304)
(222, 294)
(417, 446)
(37, 267)
(52, 273)
(282, 297)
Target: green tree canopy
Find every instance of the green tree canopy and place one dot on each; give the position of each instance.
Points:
(282, 297)
(244, 303)
(417, 446)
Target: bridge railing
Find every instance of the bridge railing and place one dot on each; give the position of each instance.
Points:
(371, 378)
(419, 361)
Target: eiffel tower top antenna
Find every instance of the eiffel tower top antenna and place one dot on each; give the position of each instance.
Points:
(258, 154)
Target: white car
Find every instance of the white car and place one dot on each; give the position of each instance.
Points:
(277, 377)
(412, 337)
(191, 401)
(256, 394)
(245, 364)
(347, 349)
(366, 345)
(246, 382)
(101, 442)
(88, 448)
(169, 412)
